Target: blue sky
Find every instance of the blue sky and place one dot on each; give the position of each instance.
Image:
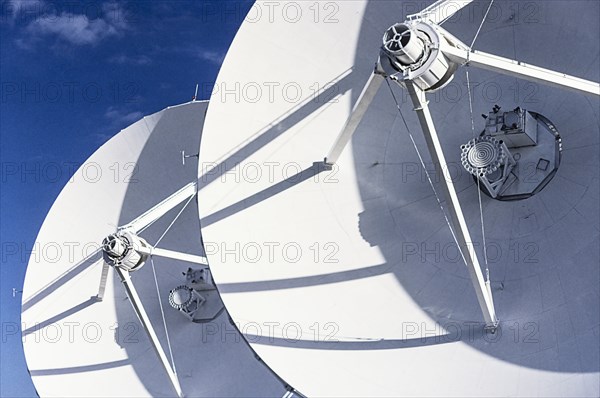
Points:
(72, 75)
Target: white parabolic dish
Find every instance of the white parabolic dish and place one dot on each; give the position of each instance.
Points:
(347, 282)
(76, 346)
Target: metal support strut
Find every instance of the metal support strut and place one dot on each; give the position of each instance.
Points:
(147, 325)
(362, 104)
(461, 232)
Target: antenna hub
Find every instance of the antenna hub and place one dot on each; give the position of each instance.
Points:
(126, 250)
(403, 42)
(413, 50)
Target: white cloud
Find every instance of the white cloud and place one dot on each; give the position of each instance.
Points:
(120, 117)
(211, 56)
(131, 60)
(78, 29)
(196, 51)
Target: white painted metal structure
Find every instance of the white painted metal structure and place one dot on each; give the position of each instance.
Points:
(78, 346)
(435, 54)
(460, 230)
(347, 281)
(344, 279)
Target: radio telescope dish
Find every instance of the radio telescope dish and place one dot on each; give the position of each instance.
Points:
(82, 336)
(349, 269)
(341, 276)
